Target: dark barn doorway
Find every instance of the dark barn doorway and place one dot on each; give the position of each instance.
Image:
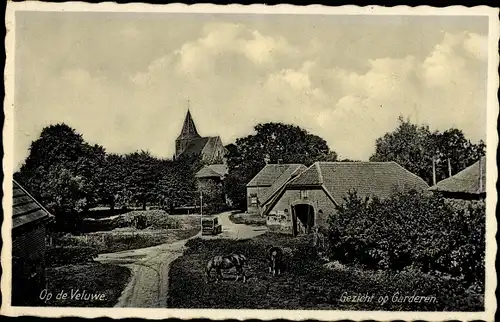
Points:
(303, 219)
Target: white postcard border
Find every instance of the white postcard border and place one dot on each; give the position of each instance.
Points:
(491, 143)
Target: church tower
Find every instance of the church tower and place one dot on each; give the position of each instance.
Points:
(188, 134)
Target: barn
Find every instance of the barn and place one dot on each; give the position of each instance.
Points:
(29, 231)
(468, 184)
(310, 198)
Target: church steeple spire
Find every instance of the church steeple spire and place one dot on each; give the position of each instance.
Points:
(188, 129)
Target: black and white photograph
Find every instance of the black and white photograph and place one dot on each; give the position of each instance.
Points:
(266, 162)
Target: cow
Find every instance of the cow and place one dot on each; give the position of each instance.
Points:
(219, 263)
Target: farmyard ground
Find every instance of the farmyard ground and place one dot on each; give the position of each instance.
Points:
(307, 283)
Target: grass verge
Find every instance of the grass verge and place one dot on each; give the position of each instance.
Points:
(105, 281)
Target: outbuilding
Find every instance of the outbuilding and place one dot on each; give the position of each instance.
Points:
(468, 184)
(29, 234)
(211, 177)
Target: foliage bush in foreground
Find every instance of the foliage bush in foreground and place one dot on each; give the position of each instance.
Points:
(411, 229)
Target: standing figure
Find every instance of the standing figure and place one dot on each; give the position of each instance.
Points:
(275, 260)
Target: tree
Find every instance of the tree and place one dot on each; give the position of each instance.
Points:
(69, 175)
(213, 196)
(142, 175)
(272, 143)
(61, 157)
(414, 148)
(452, 145)
(177, 182)
(57, 144)
(111, 187)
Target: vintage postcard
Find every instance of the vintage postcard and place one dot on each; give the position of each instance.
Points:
(250, 162)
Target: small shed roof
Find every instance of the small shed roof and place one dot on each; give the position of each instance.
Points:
(212, 171)
(471, 180)
(25, 209)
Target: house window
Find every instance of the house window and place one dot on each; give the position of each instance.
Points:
(303, 194)
(285, 214)
(253, 200)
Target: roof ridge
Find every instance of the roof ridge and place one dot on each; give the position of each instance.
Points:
(255, 176)
(33, 198)
(320, 173)
(356, 162)
(269, 193)
(298, 175)
(411, 173)
(290, 178)
(298, 166)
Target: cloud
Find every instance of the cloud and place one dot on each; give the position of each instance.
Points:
(336, 84)
(477, 45)
(440, 90)
(262, 49)
(222, 38)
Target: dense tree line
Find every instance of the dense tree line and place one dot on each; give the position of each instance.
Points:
(414, 147)
(69, 175)
(271, 143)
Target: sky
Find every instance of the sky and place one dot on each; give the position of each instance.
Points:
(123, 80)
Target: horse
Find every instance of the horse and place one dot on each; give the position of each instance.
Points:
(275, 260)
(218, 263)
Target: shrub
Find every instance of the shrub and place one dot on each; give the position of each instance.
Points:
(63, 255)
(410, 229)
(163, 221)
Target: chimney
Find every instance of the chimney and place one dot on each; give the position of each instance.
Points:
(480, 175)
(449, 168)
(433, 171)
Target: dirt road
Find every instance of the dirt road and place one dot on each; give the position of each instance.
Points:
(236, 231)
(149, 284)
